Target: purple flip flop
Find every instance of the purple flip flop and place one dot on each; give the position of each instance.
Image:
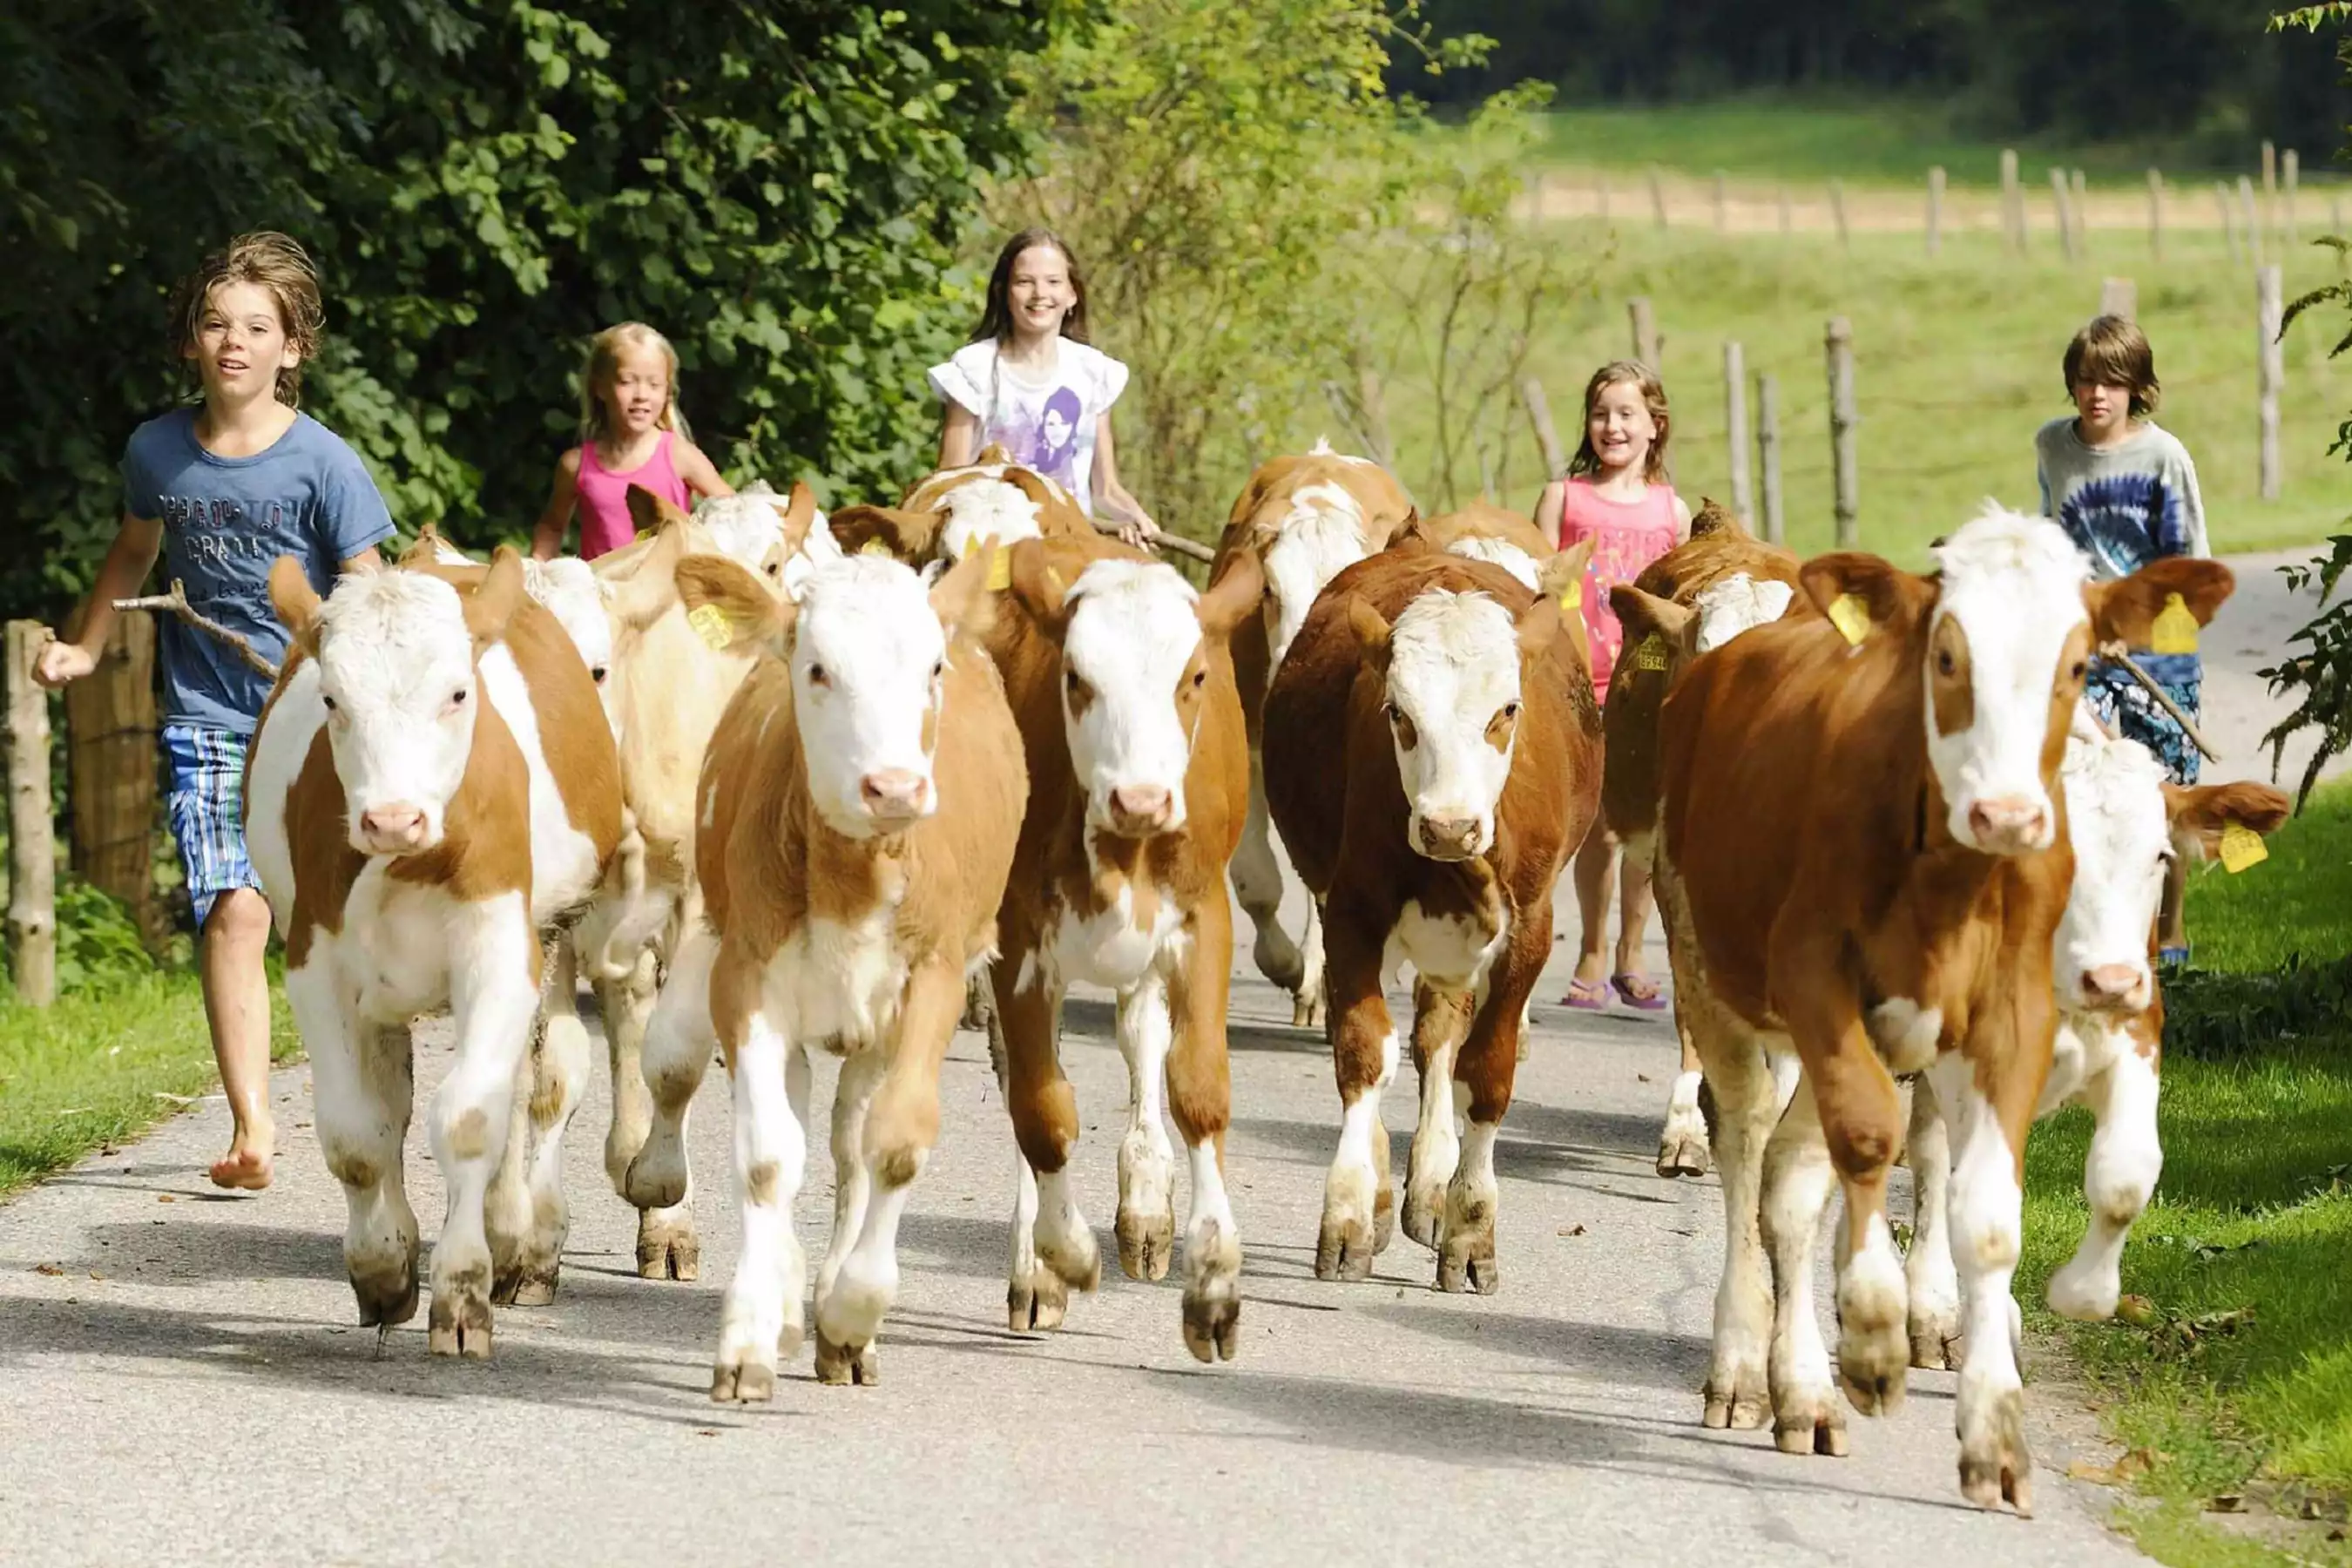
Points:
(1638, 991)
(1591, 996)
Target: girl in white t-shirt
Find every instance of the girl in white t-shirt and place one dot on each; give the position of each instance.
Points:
(1029, 382)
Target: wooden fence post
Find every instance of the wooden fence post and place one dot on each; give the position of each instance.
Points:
(32, 843)
(2079, 209)
(1555, 458)
(2156, 214)
(1843, 421)
(1646, 330)
(2250, 220)
(1657, 197)
(2290, 176)
(1767, 453)
(2269, 309)
(2119, 297)
(1722, 206)
(2270, 185)
(110, 728)
(2229, 219)
(1837, 211)
(2061, 199)
(1935, 209)
(1735, 428)
(2013, 203)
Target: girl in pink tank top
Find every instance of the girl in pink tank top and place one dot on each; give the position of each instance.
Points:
(1615, 494)
(631, 433)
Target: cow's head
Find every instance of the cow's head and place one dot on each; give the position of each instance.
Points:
(2128, 826)
(1135, 640)
(1322, 536)
(2004, 637)
(397, 652)
(783, 538)
(1451, 675)
(867, 645)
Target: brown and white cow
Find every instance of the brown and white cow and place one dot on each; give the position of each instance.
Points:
(1117, 671)
(1482, 531)
(1864, 859)
(1700, 594)
(431, 786)
(1306, 518)
(861, 801)
(1432, 757)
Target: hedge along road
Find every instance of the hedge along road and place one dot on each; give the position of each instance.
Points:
(190, 1384)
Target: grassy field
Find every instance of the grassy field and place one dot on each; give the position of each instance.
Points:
(1956, 365)
(2238, 1382)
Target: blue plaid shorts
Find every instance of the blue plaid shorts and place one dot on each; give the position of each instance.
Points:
(207, 807)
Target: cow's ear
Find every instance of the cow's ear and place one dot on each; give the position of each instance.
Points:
(728, 608)
(1561, 573)
(906, 536)
(990, 456)
(494, 601)
(1234, 596)
(650, 511)
(961, 598)
(1714, 517)
(1372, 631)
(1864, 596)
(2127, 609)
(424, 551)
(2200, 815)
(1645, 616)
(295, 602)
(645, 592)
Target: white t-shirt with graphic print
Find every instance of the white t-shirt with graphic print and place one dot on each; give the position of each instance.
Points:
(1047, 425)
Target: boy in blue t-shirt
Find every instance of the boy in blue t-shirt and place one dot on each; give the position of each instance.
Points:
(222, 490)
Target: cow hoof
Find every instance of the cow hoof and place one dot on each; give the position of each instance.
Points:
(1422, 1205)
(1995, 1466)
(1816, 1430)
(1212, 1327)
(1682, 1156)
(1147, 1243)
(1934, 1348)
(742, 1382)
(667, 1248)
(1307, 1012)
(1076, 1257)
(1036, 1304)
(1469, 1266)
(459, 1326)
(1383, 1217)
(387, 1299)
(1343, 1250)
(842, 1365)
(535, 1288)
(1746, 1407)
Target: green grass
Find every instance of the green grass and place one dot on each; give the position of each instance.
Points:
(1956, 365)
(2253, 1216)
(95, 1069)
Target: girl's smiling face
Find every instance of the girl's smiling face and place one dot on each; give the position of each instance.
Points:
(1621, 428)
(639, 390)
(240, 344)
(1040, 291)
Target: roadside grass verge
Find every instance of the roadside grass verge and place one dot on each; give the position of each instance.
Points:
(2236, 1381)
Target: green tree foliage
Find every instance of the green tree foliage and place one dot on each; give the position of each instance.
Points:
(781, 189)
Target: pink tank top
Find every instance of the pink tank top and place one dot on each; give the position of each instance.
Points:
(1627, 536)
(604, 522)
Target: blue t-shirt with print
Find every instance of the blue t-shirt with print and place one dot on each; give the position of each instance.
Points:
(226, 522)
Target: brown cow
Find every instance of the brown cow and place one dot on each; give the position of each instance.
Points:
(1432, 756)
(1306, 518)
(861, 799)
(1864, 859)
(1118, 675)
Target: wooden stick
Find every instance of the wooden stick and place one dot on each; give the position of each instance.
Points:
(2115, 653)
(176, 601)
(2271, 375)
(32, 919)
(1555, 458)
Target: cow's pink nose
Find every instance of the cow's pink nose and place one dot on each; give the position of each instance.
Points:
(2007, 824)
(398, 824)
(2110, 985)
(893, 792)
(1449, 837)
(1140, 808)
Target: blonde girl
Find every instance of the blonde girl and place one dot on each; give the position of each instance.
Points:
(631, 433)
(1617, 495)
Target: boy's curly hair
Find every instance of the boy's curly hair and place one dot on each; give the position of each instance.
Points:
(271, 261)
(2113, 351)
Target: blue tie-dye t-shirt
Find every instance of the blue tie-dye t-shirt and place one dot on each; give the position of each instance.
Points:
(2126, 506)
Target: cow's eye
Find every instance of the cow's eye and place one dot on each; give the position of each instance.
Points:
(817, 675)
(938, 669)
(597, 675)
(1944, 665)
(332, 706)
(1511, 713)
(1200, 678)
(457, 698)
(2081, 668)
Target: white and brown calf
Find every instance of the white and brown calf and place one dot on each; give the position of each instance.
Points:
(1432, 756)
(861, 800)
(1306, 518)
(1119, 674)
(431, 788)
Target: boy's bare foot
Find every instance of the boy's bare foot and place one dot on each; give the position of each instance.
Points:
(242, 1169)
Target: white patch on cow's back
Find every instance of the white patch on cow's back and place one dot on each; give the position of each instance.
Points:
(987, 509)
(1319, 537)
(1738, 602)
(1499, 552)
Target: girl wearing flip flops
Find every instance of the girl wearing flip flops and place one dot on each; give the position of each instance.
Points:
(1615, 494)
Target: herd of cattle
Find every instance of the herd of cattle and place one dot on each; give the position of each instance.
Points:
(774, 781)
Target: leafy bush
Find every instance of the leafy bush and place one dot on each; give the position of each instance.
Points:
(2222, 1016)
(98, 941)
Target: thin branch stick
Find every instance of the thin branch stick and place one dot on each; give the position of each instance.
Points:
(176, 601)
(2114, 652)
(1163, 540)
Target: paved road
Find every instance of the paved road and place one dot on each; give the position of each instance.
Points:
(2250, 633)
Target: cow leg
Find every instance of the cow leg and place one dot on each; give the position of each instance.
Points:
(1257, 884)
(1487, 1065)
(1309, 1007)
(1364, 1059)
(679, 1041)
(1147, 1166)
(1201, 1096)
(1053, 1247)
(559, 1084)
(1440, 1020)
(361, 1091)
(1933, 1288)
(2118, 1179)
(1683, 1145)
(1987, 1226)
(853, 1095)
(1798, 1178)
(760, 1323)
(1738, 1389)
(506, 1207)
(627, 1003)
(494, 992)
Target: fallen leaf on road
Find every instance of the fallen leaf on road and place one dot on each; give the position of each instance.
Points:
(1571, 1230)
(96, 1274)
(51, 1270)
(2228, 1502)
(165, 1198)
(2137, 1462)
(1640, 1077)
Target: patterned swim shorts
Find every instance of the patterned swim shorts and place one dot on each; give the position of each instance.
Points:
(207, 808)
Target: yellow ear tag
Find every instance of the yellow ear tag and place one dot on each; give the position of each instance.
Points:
(1650, 653)
(1572, 596)
(874, 547)
(711, 625)
(1850, 616)
(1000, 569)
(2176, 632)
(2241, 847)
